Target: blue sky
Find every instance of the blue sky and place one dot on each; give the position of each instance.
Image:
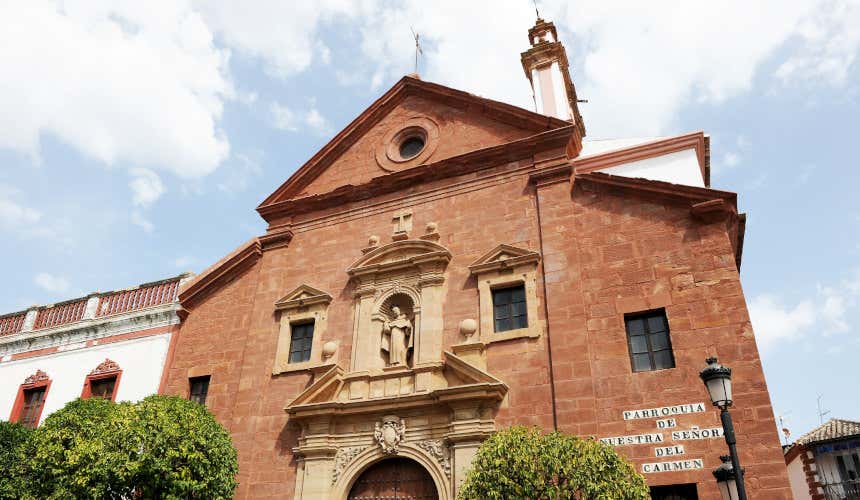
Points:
(136, 141)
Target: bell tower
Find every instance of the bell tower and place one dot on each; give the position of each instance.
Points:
(546, 67)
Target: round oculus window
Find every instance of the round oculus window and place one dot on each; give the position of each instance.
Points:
(411, 146)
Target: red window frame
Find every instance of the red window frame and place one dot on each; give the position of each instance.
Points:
(107, 369)
(37, 380)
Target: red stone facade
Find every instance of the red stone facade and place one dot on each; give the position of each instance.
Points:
(609, 246)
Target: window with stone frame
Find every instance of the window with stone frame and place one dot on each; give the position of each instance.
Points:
(198, 389)
(509, 308)
(34, 400)
(648, 341)
(301, 341)
(675, 492)
(103, 387)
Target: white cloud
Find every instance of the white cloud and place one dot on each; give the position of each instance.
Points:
(12, 212)
(51, 283)
(119, 81)
(283, 35)
(316, 121)
(731, 159)
(139, 220)
(829, 41)
(774, 322)
(242, 169)
(639, 64)
(184, 261)
(146, 187)
(825, 313)
(283, 117)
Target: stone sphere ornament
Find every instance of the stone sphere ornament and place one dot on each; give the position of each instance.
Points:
(373, 240)
(468, 327)
(329, 349)
(431, 227)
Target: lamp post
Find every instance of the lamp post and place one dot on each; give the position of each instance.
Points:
(726, 479)
(718, 381)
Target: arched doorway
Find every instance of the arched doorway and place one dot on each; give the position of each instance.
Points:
(394, 478)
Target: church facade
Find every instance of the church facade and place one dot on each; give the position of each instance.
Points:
(448, 266)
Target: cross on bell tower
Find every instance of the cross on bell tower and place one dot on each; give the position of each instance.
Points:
(546, 67)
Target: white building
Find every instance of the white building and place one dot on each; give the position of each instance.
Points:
(824, 463)
(112, 344)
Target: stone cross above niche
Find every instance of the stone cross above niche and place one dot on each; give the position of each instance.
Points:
(402, 222)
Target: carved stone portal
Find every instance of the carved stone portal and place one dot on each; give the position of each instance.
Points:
(389, 434)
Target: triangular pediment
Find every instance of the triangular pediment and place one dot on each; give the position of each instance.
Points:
(456, 123)
(504, 256)
(302, 295)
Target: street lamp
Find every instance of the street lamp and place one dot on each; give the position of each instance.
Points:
(726, 479)
(718, 381)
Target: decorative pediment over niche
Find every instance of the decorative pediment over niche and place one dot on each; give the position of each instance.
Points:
(336, 392)
(399, 256)
(504, 257)
(303, 295)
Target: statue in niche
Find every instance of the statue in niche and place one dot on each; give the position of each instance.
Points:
(397, 337)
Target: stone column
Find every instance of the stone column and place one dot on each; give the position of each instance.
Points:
(365, 342)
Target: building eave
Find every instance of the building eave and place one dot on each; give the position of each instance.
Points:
(458, 165)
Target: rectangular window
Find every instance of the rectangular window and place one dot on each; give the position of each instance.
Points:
(509, 308)
(34, 399)
(301, 340)
(674, 492)
(648, 340)
(102, 388)
(199, 388)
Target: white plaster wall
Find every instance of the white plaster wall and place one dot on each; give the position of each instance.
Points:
(797, 478)
(141, 360)
(681, 167)
(596, 146)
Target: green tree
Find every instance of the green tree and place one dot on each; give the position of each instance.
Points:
(160, 447)
(183, 451)
(521, 462)
(14, 439)
(72, 454)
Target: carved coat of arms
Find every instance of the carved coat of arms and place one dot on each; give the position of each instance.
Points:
(389, 433)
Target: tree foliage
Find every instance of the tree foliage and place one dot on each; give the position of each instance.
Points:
(160, 447)
(521, 462)
(14, 439)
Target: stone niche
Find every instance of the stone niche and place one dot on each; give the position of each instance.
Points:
(402, 394)
(405, 277)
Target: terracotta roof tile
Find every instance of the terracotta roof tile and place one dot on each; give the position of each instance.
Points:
(833, 429)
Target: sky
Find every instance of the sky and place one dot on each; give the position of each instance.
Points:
(136, 138)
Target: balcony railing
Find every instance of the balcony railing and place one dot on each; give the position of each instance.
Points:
(12, 323)
(60, 314)
(97, 305)
(846, 490)
(138, 298)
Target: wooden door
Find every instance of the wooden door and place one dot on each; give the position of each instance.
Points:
(395, 478)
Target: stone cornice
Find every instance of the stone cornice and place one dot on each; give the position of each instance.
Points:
(220, 273)
(90, 329)
(458, 165)
(706, 205)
